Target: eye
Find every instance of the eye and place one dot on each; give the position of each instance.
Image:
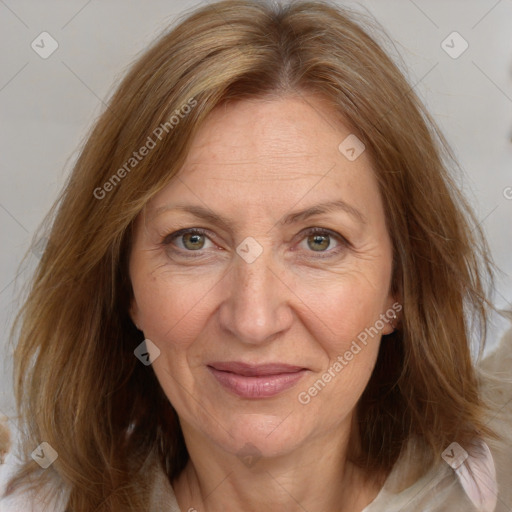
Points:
(321, 240)
(188, 240)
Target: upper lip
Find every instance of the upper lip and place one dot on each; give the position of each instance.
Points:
(251, 370)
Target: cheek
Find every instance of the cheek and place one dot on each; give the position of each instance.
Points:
(346, 332)
(173, 311)
(345, 307)
(172, 307)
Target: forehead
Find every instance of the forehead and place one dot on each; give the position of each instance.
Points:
(270, 133)
(271, 154)
(285, 138)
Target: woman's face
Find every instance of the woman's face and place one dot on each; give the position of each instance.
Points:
(262, 274)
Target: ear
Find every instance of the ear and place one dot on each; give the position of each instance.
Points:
(392, 315)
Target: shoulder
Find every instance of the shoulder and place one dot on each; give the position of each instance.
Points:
(467, 478)
(52, 498)
(23, 501)
(162, 496)
(495, 374)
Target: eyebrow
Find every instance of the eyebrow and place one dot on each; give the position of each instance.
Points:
(291, 218)
(323, 208)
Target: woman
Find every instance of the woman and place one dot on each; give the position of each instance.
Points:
(259, 289)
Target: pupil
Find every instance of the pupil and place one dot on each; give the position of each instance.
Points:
(319, 242)
(194, 239)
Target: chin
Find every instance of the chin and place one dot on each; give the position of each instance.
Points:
(265, 435)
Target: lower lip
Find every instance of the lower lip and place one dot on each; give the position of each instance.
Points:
(262, 386)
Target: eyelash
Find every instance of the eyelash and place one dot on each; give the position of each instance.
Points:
(343, 242)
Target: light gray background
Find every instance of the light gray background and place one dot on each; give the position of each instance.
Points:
(48, 105)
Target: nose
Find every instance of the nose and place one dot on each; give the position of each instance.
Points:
(257, 308)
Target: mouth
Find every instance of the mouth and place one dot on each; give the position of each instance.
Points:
(256, 381)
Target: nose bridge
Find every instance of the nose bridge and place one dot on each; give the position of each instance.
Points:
(256, 308)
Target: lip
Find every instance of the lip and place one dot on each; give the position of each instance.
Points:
(256, 381)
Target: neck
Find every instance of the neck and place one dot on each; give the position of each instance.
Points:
(317, 478)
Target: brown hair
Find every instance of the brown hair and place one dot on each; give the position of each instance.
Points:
(79, 386)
